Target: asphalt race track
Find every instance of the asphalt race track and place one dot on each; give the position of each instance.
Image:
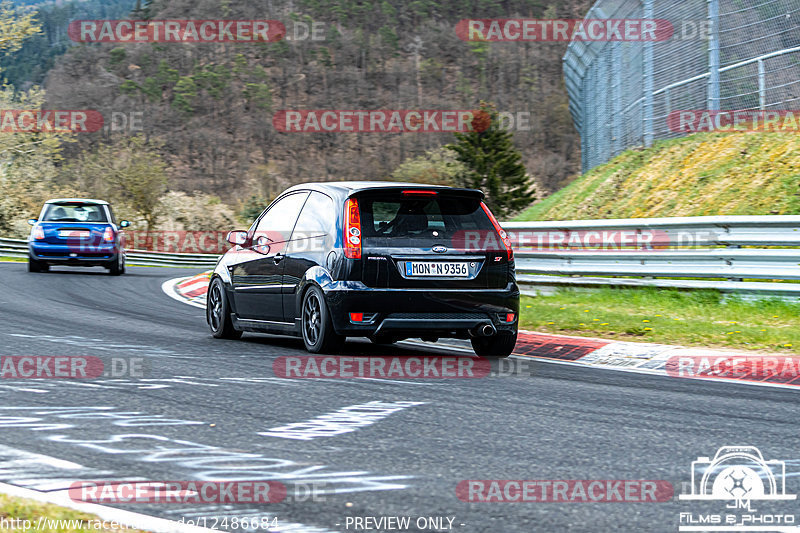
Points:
(199, 412)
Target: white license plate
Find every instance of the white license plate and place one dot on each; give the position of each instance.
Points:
(419, 269)
(74, 234)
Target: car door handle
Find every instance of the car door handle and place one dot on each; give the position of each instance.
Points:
(278, 258)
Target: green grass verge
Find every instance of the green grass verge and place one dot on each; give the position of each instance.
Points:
(703, 174)
(689, 318)
(69, 521)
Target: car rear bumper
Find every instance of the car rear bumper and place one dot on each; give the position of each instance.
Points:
(417, 312)
(55, 254)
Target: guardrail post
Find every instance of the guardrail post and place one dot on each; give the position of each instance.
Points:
(647, 115)
(762, 86)
(713, 56)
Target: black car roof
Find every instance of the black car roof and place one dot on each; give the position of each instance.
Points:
(349, 187)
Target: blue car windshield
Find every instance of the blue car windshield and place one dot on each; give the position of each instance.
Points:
(74, 212)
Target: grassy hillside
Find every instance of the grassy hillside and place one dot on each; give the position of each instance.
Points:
(704, 174)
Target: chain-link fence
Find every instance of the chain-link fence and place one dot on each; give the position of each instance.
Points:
(723, 55)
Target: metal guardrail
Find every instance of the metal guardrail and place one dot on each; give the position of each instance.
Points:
(659, 251)
(19, 248)
(724, 252)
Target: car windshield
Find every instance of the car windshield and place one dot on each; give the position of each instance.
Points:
(392, 219)
(74, 212)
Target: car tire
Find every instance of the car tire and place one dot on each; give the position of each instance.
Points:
(316, 324)
(218, 313)
(496, 346)
(37, 266)
(117, 268)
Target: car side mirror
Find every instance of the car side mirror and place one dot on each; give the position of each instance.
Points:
(124, 224)
(262, 245)
(32, 221)
(238, 238)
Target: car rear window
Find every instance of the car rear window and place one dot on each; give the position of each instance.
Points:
(391, 219)
(74, 212)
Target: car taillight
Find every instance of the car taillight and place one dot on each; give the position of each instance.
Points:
(500, 231)
(108, 235)
(38, 233)
(418, 192)
(352, 230)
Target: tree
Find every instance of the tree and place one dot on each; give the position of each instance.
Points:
(28, 166)
(15, 27)
(436, 167)
(493, 164)
(130, 172)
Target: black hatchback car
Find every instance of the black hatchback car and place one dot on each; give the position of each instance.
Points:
(383, 260)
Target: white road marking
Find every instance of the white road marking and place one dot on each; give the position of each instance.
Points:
(345, 420)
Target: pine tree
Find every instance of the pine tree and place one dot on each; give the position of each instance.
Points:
(493, 164)
(143, 12)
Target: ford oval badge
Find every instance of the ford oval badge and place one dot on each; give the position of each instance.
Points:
(439, 249)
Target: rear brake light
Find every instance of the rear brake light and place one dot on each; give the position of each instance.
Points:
(418, 192)
(500, 231)
(510, 317)
(356, 317)
(352, 229)
(38, 233)
(108, 235)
